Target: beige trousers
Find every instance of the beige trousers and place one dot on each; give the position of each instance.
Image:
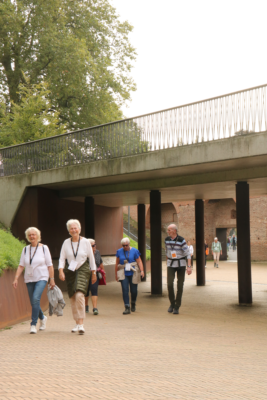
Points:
(77, 302)
(216, 256)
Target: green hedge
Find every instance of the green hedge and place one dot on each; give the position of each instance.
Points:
(10, 250)
(133, 243)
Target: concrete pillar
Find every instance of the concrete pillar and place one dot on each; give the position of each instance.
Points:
(155, 240)
(243, 243)
(89, 217)
(141, 210)
(200, 248)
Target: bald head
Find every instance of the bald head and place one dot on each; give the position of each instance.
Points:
(172, 231)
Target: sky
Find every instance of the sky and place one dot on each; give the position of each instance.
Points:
(191, 50)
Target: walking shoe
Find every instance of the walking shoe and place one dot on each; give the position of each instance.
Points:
(87, 309)
(43, 324)
(75, 329)
(176, 311)
(214, 265)
(95, 311)
(127, 310)
(33, 329)
(170, 309)
(133, 307)
(217, 265)
(81, 329)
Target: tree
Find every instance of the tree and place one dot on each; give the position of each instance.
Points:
(79, 47)
(31, 119)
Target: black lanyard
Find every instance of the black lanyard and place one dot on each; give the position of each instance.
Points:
(33, 253)
(172, 246)
(75, 255)
(126, 258)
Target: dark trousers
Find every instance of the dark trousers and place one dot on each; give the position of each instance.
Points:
(176, 303)
(125, 284)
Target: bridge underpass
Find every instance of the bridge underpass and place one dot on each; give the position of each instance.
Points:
(212, 167)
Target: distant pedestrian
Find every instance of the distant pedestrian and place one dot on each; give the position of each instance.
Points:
(228, 243)
(191, 249)
(234, 242)
(216, 249)
(128, 270)
(93, 288)
(74, 267)
(206, 251)
(177, 252)
(37, 261)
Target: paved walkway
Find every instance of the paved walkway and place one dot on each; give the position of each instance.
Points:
(213, 350)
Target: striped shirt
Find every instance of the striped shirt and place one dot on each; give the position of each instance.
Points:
(216, 247)
(177, 245)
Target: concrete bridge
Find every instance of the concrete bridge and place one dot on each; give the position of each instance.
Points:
(207, 150)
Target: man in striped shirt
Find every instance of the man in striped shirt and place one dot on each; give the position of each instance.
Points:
(177, 252)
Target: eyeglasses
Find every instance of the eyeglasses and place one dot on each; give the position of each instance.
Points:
(93, 245)
(125, 245)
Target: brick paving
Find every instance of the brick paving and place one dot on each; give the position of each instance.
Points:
(214, 349)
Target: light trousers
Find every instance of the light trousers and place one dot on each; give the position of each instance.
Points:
(77, 302)
(216, 256)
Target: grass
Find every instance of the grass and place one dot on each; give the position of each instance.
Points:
(10, 250)
(6, 328)
(133, 243)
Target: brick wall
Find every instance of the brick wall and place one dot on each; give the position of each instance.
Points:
(217, 214)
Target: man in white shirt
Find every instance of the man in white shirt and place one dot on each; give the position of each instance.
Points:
(191, 249)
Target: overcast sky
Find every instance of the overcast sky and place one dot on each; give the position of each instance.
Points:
(190, 50)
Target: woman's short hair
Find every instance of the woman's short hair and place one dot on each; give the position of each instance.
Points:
(92, 241)
(32, 228)
(125, 240)
(73, 221)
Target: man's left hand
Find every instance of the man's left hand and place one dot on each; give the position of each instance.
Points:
(189, 270)
(142, 274)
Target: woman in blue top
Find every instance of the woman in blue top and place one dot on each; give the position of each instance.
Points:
(125, 256)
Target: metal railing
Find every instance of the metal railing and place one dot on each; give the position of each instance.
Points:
(216, 118)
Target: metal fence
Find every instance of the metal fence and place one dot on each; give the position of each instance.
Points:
(217, 118)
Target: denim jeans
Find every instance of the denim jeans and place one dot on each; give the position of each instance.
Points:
(35, 290)
(125, 290)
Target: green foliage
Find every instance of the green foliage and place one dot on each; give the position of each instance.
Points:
(79, 47)
(31, 119)
(133, 243)
(10, 250)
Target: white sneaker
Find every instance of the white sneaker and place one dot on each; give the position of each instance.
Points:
(33, 329)
(43, 324)
(75, 329)
(81, 329)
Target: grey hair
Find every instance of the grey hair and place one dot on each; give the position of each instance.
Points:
(73, 221)
(125, 240)
(173, 226)
(92, 241)
(35, 230)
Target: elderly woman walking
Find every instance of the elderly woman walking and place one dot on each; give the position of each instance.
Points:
(93, 288)
(127, 269)
(36, 259)
(74, 267)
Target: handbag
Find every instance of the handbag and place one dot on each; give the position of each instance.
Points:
(101, 276)
(207, 251)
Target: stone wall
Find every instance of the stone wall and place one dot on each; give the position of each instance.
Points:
(217, 214)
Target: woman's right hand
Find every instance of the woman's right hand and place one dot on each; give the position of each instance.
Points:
(61, 275)
(15, 283)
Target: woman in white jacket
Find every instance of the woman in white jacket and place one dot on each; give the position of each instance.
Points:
(76, 251)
